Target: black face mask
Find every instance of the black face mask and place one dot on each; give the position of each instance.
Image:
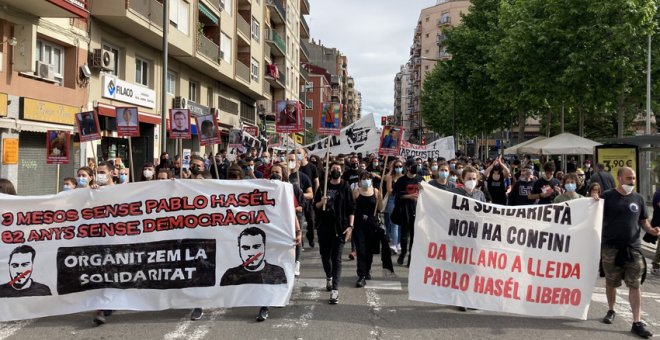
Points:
(194, 169)
(413, 170)
(335, 174)
(354, 166)
(276, 177)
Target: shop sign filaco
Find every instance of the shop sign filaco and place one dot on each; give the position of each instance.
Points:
(117, 89)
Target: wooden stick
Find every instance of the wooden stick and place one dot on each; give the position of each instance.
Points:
(57, 183)
(380, 187)
(215, 164)
(130, 159)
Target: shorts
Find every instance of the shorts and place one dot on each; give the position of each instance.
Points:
(630, 273)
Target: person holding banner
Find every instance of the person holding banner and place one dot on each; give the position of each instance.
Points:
(148, 172)
(624, 216)
(570, 185)
(367, 200)
(335, 217)
(442, 178)
(470, 177)
(406, 190)
(85, 177)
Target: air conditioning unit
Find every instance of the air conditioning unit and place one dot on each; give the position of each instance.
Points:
(46, 71)
(103, 59)
(180, 103)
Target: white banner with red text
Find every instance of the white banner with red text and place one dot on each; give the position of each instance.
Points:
(147, 246)
(539, 260)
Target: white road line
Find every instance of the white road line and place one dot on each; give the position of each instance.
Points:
(8, 329)
(203, 328)
(373, 301)
(199, 328)
(180, 331)
(374, 284)
(298, 296)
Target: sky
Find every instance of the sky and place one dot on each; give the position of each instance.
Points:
(376, 35)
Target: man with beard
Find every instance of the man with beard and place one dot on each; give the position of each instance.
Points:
(21, 262)
(254, 267)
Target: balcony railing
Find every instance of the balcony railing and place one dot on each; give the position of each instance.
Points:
(216, 4)
(243, 26)
(304, 50)
(243, 71)
(445, 20)
(150, 9)
(304, 8)
(278, 8)
(208, 48)
(303, 72)
(274, 37)
(303, 24)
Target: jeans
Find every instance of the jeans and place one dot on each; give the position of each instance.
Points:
(391, 228)
(330, 248)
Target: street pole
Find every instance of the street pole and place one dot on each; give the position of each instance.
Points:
(647, 130)
(163, 88)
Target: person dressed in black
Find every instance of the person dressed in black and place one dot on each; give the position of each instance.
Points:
(602, 177)
(496, 174)
(352, 174)
(406, 191)
(254, 269)
(21, 262)
(523, 187)
(367, 242)
(546, 188)
(334, 220)
(308, 168)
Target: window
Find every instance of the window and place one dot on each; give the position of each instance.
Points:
(225, 47)
(256, 29)
(117, 54)
(226, 6)
(427, 35)
(53, 55)
(255, 70)
(171, 82)
(179, 10)
(193, 91)
(141, 71)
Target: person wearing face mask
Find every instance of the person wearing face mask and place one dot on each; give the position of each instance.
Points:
(148, 172)
(522, 188)
(335, 209)
(376, 170)
(624, 217)
(406, 190)
(442, 178)
(588, 170)
(298, 178)
(367, 200)
(123, 175)
(309, 169)
(250, 171)
(352, 174)
(85, 177)
(454, 179)
(470, 177)
(103, 175)
(69, 184)
(395, 172)
(266, 164)
(547, 187)
(570, 186)
(197, 165)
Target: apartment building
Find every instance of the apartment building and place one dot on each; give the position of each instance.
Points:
(403, 94)
(427, 49)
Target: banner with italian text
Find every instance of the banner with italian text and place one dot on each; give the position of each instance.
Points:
(147, 246)
(537, 260)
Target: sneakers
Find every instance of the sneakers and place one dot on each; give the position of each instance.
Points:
(393, 250)
(328, 284)
(196, 314)
(609, 317)
(639, 329)
(334, 297)
(99, 318)
(399, 260)
(296, 271)
(368, 276)
(361, 282)
(263, 314)
(398, 248)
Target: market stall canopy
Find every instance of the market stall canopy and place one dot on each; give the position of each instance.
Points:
(515, 149)
(561, 144)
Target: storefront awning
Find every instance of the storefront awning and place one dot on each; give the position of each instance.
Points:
(207, 13)
(26, 125)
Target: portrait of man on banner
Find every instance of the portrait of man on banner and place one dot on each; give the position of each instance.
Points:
(288, 117)
(127, 122)
(180, 124)
(330, 119)
(253, 268)
(88, 126)
(57, 146)
(208, 130)
(21, 283)
(390, 140)
(235, 138)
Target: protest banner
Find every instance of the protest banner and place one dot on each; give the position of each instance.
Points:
(127, 122)
(289, 117)
(88, 126)
(537, 260)
(361, 136)
(443, 147)
(159, 245)
(208, 132)
(180, 124)
(390, 141)
(329, 119)
(58, 143)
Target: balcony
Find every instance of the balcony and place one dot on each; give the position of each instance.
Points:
(273, 76)
(243, 71)
(335, 80)
(444, 55)
(304, 73)
(273, 38)
(278, 13)
(52, 8)
(267, 53)
(304, 7)
(243, 28)
(215, 4)
(208, 48)
(304, 53)
(444, 21)
(152, 10)
(304, 28)
(440, 39)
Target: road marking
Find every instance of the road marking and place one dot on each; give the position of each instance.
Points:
(180, 331)
(311, 294)
(373, 301)
(204, 327)
(199, 330)
(622, 306)
(374, 284)
(8, 329)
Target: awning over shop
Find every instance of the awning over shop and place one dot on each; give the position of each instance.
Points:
(26, 125)
(207, 13)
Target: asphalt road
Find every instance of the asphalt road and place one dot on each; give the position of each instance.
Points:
(380, 311)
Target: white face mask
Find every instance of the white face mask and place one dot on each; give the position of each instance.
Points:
(101, 179)
(628, 188)
(470, 185)
(292, 165)
(148, 174)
